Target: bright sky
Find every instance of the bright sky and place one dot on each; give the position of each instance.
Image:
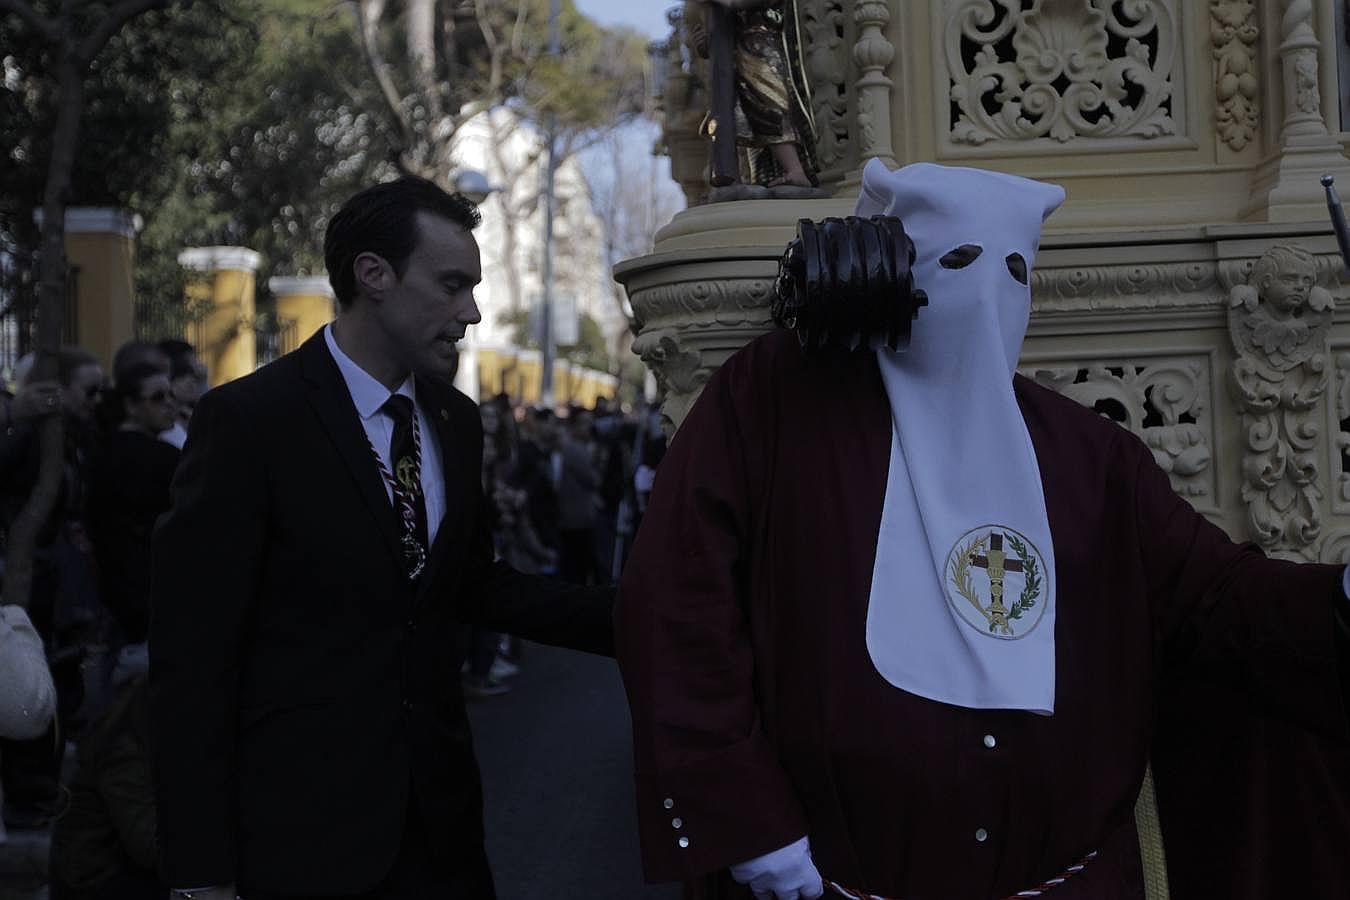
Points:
(647, 16)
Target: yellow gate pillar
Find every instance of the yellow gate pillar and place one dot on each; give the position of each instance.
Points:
(304, 305)
(226, 278)
(101, 249)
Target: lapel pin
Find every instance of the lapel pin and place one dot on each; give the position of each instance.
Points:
(445, 416)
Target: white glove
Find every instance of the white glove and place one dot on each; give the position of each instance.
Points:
(785, 874)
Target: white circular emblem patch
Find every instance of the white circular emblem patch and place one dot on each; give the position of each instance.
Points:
(995, 582)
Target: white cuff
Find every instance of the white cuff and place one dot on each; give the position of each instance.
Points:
(787, 873)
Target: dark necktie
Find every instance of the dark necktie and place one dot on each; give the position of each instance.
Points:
(405, 459)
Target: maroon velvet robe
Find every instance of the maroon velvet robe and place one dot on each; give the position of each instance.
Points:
(757, 713)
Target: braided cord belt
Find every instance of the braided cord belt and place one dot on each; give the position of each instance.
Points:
(1040, 890)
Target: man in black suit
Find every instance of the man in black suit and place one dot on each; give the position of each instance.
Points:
(328, 534)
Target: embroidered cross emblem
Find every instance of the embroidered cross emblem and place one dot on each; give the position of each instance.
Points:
(997, 564)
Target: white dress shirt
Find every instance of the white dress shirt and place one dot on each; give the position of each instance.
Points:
(175, 436)
(369, 396)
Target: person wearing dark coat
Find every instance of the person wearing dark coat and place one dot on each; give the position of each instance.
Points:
(129, 491)
(899, 624)
(310, 736)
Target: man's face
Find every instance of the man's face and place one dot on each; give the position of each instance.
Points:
(81, 395)
(429, 309)
(154, 409)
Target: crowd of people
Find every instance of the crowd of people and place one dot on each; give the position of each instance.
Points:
(565, 493)
(88, 608)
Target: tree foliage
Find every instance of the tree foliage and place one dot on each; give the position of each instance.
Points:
(248, 122)
(439, 63)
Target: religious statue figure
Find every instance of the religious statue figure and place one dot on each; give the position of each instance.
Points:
(761, 123)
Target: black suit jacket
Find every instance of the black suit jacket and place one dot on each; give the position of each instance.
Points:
(303, 693)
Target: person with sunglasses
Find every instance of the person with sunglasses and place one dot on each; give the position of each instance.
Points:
(129, 491)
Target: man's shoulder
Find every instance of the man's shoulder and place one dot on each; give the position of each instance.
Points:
(268, 387)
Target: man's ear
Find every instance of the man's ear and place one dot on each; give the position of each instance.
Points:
(373, 275)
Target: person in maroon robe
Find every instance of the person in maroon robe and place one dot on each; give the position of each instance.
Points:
(769, 744)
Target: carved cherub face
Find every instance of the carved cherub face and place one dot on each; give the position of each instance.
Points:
(1286, 288)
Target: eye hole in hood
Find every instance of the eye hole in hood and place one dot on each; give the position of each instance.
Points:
(961, 257)
(1018, 267)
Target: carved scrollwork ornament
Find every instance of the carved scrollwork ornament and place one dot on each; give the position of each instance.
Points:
(1064, 70)
(1188, 285)
(1279, 321)
(1233, 37)
(1131, 392)
(680, 372)
(740, 301)
(827, 68)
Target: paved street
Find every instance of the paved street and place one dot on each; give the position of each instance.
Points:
(557, 772)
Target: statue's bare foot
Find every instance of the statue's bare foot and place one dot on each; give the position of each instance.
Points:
(791, 179)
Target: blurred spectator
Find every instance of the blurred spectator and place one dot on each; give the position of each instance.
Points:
(614, 435)
(537, 472)
(129, 491)
(132, 354)
(136, 353)
(63, 603)
(653, 448)
(187, 383)
(103, 847)
(578, 484)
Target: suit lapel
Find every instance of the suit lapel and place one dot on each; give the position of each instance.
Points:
(456, 455)
(332, 401)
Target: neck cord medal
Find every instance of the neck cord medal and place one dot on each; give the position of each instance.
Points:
(406, 489)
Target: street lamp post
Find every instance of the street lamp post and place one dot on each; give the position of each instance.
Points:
(550, 168)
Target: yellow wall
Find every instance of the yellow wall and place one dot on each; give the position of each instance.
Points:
(303, 304)
(104, 255)
(225, 277)
(517, 373)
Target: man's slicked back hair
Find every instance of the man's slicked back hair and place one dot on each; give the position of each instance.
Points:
(383, 220)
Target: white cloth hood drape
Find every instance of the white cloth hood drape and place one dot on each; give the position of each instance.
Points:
(962, 606)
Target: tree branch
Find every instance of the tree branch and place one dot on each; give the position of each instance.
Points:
(421, 36)
(367, 25)
(48, 29)
(110, 24)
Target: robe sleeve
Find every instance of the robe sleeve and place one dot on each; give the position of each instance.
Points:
(710, 789)
(1272, 625)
